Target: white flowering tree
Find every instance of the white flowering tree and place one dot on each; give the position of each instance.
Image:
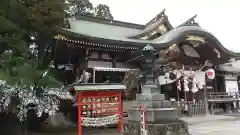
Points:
(26, 83)
(23, 86)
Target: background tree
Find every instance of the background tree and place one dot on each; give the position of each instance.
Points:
(23, 73)
(26, 51)
(103, 11)
(85, 7)
(43, 16)
(28, 24)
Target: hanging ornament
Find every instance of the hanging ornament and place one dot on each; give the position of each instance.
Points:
(179, 85)
(194, 85)
(185, 84)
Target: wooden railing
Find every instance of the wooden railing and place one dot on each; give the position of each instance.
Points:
(218, 96)
(214, 96)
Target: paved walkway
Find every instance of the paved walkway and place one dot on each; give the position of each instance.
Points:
(202, 125)
(216, 128)
(210, 118)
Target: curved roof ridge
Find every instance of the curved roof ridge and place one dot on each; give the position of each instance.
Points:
(148, 29)
(182, 30)
(160, 43)
(109, 22)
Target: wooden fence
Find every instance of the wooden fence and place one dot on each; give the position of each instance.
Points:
(189, 108)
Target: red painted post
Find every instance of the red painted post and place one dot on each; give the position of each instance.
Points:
(79, 113)
(120, 124)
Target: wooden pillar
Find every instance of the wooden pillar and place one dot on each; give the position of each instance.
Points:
(228, 107)
(86, 59)
(77, 74)
(205, 97)
(113, 62)
(211, 108)
(94, 76)
(237, 106)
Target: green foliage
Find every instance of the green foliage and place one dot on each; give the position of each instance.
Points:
(19, 69)
(85, 7)
(44, 15)
(19, 20)
(103, 11)
(6, 25)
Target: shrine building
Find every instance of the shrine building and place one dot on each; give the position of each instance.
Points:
(109, 48)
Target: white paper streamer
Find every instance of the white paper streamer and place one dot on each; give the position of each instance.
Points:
(100, 121)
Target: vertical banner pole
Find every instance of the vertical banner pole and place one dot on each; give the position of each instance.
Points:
(79, 114)
(143, 121)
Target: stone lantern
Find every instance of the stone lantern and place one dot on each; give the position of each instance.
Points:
(161, 118)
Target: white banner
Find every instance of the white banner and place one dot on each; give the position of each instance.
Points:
(143, 122)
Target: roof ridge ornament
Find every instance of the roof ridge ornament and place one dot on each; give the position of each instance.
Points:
(148, 47)
(190, 21)
(155, 19)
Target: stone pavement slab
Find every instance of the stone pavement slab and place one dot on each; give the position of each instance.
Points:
(202, 125)
(216, 128)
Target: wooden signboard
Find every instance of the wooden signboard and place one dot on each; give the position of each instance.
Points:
(99, 108)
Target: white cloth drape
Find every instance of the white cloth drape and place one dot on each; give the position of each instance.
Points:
(198, 80)
(185, 84)
(194, 85)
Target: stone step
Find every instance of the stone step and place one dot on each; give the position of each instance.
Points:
(151, 104)
(174, 127)
(150, 97)
(153, 114)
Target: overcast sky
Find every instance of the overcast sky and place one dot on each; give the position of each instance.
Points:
(217, 16)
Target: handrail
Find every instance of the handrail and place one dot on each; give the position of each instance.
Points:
(219, 96)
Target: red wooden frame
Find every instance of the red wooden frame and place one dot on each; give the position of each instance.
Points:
(100, 94)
